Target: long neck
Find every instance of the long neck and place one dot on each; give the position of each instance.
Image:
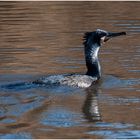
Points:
(92, 62)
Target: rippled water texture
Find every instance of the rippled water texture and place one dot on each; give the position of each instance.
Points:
(41, 38)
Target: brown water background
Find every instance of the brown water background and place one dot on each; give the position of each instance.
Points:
(41, 38)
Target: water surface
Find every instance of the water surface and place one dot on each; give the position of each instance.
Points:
(41, 38)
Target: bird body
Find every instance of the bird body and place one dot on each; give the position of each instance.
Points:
(75, 80)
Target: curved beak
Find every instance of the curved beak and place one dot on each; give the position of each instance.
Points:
(111, 35)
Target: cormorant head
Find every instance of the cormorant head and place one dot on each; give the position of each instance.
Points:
(100, 36)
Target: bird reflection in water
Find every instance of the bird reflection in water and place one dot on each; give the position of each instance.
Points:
(91, 106)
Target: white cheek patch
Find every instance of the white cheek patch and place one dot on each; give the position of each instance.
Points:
(103, 39)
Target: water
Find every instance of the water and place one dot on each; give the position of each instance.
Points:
(41, 38)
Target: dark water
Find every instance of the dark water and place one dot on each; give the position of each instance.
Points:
(41, 38)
